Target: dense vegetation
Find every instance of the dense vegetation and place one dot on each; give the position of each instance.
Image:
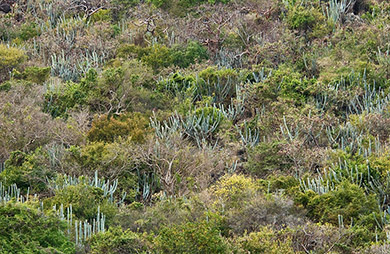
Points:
(195, 126)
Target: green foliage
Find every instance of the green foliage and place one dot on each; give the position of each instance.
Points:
(35, 74)
(348, 200)
(28, 31)
(101, 15)
(159, 56)
(196, 237)
(288, 84)
(84, 199)
(27, 230)
(265, 158)
(293, 93)
(111, 160)
(231, 190)
(10, 58)
(27, 170)
(184, 56)
(266, 241)
(302, 18)
(106, 129)
(59, 102)
(117, 241)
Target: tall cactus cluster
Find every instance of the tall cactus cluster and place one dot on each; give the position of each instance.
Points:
(12, 193)
(63, 181)
(81, 230)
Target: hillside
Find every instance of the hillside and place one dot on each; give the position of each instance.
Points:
(195, 126)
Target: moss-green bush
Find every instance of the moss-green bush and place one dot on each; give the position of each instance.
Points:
(10, 58)
(265, 159)
(85, 201)
(35, 74)
(117, 241)
(347, 200)
(27, 170)
(159, 56)
(28, 31)
(107, 129)
(266, 241)
(27, 230)
(198, 237)
(302, 18)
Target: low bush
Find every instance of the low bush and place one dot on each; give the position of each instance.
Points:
(10, 58)
(198, 237)
(27, 230)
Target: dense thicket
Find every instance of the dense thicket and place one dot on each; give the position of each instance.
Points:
(194, 126)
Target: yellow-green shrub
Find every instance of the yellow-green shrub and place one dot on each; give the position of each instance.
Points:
(233, 189)
(10, 58)
(266, 241)
(107, 129)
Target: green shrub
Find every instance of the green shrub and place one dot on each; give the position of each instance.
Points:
(101, 15)
(192, 237)
(10, 58)
(265, 159)
(85, 201)
(27, 170)
(232, 190)
(184, 55)
(28, 31)
(266, 241)
(111, 160)
(26, 230)
(286, 83)
(348, 200)
(59, 102)
(37, 75)
(132, 125)
(159, 56)
(302, 18)
(117, 241)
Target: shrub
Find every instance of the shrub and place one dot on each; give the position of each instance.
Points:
(37, 75)
(117, 241)
(84, 199)
(266, 241)
(26, 230)
(286, 83)
(275, 211)
(27, 170)
(10, 58)
(266, 158)
(348, 200)
(191, 53)
(302, 18)
(233, 190)
(28, 31)
(192, 237)
(21, 116)
(101, 16)
(177, 163)
(132, 125)
(160, 56)
(70, 97)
